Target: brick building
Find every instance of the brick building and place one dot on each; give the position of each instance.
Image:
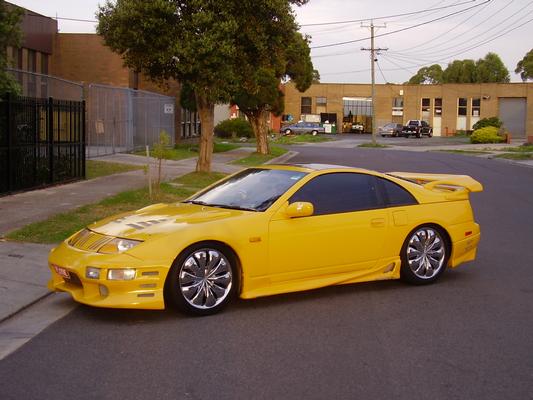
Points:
(449, 108)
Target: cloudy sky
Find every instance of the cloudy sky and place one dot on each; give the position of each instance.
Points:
(433, 31)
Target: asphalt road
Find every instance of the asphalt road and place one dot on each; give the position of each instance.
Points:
(467, 337)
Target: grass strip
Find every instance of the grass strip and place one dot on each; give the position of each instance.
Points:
(183, 151)
(61, 226)
(301, 139)
(516, 156)
(96, 169)
(257, 159)
(372, 145)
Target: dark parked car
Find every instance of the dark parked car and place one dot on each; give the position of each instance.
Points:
(390, 129)
(418, 128)
(302, 127)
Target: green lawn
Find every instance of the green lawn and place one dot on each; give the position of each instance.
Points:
(464, 151)
(526, 148)
(61, 226)
(516, 155)
(95, 169)
(373, 145)
(300, 139)
(257, 159)
(182, 151)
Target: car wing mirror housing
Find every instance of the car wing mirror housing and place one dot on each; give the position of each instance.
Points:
(300, 209)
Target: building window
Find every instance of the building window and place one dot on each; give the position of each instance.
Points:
(32, 61)
(321, 103)
(438, 107)
(397, 106)
(306, 106)
(426, 103)
(476, 107)
(461, 106)
(44, 63)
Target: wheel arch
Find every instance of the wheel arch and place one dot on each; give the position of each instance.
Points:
(225, 246)
(442, 229)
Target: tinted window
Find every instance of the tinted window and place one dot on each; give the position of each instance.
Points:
(396, 195)
(339, 192)
(252, 189)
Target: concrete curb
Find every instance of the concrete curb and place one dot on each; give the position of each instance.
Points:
(283, 158)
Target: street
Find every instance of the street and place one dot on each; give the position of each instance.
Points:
(466, 337)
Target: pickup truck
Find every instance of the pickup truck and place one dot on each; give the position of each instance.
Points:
(417, 128)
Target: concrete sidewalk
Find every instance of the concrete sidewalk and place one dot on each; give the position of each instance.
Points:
(23, 266)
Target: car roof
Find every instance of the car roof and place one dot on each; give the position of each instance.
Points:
(310, 167)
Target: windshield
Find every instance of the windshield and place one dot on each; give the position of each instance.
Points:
(253, 189)
(414, 122)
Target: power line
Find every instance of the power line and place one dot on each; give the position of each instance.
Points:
(388, 16)
(402, 29)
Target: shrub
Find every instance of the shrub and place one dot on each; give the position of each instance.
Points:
(488, 134)
(237, 127)
(492, 121)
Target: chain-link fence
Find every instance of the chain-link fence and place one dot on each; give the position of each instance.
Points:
(122, 119)
(42, 86)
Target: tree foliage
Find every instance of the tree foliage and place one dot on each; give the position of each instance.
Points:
(489, 69)
(10, 35)
(525, 66)
(427, 75)
(269, 49)
(190, 41)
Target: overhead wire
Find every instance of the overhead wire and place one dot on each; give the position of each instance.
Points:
(402, 29)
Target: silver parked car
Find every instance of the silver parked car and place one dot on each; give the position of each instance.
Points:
(390, 129)
(302, 127)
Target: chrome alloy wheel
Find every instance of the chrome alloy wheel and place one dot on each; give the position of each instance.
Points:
(205, 278)
(426, 252)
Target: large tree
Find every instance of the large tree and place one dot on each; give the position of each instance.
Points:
(460, 71)
(191, 41)
(270, 48)
(10, 35)
(491, 69)
(427, 75)
(525, 66)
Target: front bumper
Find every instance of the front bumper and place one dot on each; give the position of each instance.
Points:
(145, 291)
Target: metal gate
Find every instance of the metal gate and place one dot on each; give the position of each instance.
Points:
(122, 119)
(513, 113)
(41, 142)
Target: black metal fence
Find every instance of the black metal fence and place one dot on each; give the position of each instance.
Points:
(42, 142)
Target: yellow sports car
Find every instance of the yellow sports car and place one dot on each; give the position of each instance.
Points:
(270, 230)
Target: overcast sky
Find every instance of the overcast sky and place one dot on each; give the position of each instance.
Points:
(477, 27)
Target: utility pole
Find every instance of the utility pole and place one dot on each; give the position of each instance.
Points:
(373, 59)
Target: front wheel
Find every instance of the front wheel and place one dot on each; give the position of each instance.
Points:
(314, 133)
(203, 279)
(287, 132)
(424, 255)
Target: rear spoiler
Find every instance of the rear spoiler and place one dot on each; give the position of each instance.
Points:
(441, 181)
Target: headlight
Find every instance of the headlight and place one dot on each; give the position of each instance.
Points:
(119, 245)
(92, 273)
(123, 274)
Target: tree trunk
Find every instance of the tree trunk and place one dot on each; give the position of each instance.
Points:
(258, 120)
(206, 110)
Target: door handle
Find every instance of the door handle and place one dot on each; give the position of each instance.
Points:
(377, 222)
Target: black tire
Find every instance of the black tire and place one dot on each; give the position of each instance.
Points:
(430, 133)
(179, 279)
(419, 276)
(287, 131)
(314, 133)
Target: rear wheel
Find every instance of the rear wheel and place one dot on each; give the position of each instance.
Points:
(203, 279)
(430, 133)
(287, 132)
(424, 255)
(314, 133)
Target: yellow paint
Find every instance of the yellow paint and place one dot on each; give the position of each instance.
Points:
(280, 250)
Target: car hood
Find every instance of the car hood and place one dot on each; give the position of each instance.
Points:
(159, 219)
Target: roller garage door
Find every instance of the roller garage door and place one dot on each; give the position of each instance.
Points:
(513, 114)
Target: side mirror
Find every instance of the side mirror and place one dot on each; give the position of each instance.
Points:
(299, 209)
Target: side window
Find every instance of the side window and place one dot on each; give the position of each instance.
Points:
(395, 195)
(340, 192)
